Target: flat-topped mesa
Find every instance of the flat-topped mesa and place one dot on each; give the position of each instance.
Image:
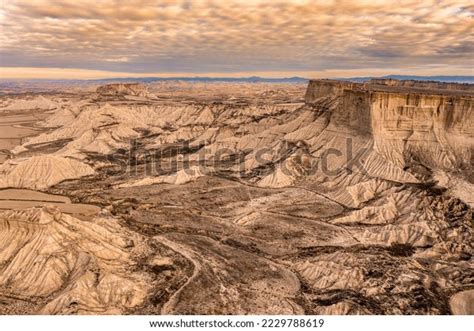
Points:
(325, 87)
(407, 122)
(432, 85)
(318, 88)
(133, 89)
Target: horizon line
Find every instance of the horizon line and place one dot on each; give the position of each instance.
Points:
(37, 73)
(230, 78)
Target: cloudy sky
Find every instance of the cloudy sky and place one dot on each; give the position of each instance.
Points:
(110, 38)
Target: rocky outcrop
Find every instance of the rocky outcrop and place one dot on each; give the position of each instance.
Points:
(416, 130)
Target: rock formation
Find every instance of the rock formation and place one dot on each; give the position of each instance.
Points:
(73, 266)
(419, 132)
(41, 172)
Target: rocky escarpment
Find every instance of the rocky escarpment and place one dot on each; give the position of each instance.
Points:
(422, 131)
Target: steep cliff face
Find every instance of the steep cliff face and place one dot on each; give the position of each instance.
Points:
(353, 112)
(421, 131)
(436, 131)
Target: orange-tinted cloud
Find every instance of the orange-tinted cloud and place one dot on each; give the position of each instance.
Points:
(234, 36)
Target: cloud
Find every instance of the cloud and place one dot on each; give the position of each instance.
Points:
(118, 59)
(234, 36)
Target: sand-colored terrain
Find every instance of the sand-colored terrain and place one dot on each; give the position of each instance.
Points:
(179, 198)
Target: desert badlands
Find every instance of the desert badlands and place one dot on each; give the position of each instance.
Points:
(331, 197)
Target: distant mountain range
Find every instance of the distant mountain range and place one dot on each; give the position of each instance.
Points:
(252, 79)
(256, 79)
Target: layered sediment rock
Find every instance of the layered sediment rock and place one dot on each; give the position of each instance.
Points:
(68, 265)
(41, 172)
(416, 130)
